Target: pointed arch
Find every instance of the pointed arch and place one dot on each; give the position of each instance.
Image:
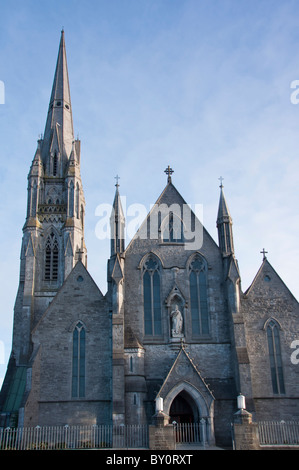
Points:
(145, 257)
(176, 301)
(51, 257)
(78, 360)
(73, 325)
(272, 319)
(151, 276)
(198, 286)
(272, 328)
(203, 408)
(53, 195)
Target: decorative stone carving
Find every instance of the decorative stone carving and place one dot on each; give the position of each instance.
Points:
(176, 323)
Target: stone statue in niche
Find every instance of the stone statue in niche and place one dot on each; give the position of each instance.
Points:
(176, 323)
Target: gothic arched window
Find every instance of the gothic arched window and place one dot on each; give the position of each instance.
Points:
(173, 229)
(198, 296)
(78, 371)
(152, 297)
(51, 258)
(275, 357)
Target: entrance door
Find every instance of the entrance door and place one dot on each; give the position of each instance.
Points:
(184, 414)
(180, 410)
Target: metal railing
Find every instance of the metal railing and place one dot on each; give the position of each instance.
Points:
(74, 437)
(278, 433)
(188, 433)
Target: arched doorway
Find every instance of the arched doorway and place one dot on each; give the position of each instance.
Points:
(184, 414)
(183, 409)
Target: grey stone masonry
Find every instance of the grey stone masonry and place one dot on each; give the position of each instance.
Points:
(79, 300)
(173, 328)
(268, 299)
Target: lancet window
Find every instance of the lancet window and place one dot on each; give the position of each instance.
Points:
(198, 296)
(51, 258)
(275, 357)
(78, 366)
(152, 297)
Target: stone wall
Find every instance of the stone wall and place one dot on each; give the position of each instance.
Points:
(269, 298)
(79, 299)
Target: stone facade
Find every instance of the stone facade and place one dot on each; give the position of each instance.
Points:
(174, 323)
(268, 299)
(53, 343)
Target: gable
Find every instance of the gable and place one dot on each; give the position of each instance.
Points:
(182, 371)
(171, 202)
(77, 291)
(267, 283)
(78, 315)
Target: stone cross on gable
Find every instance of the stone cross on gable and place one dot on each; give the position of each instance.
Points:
(264, 252)
(169, 172)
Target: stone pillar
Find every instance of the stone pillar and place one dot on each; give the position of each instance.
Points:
(161, 434)
(245, 431)
(210, 431)
(203, 432)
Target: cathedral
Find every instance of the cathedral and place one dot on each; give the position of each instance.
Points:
(174, 323)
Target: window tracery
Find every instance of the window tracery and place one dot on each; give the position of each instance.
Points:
(198, 296)
(152, 297)
(51, 258)
(275, 357)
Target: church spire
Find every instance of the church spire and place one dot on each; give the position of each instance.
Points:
(224, 225)
(59, 132)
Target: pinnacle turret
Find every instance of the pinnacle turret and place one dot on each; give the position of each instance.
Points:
(224, 225)
(117, 223)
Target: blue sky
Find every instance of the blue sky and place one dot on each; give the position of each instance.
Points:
(202, 85)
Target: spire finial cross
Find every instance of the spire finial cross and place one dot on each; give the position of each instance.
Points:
(221, 181)
(117, 178)
(264, 252)
(169, 172)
